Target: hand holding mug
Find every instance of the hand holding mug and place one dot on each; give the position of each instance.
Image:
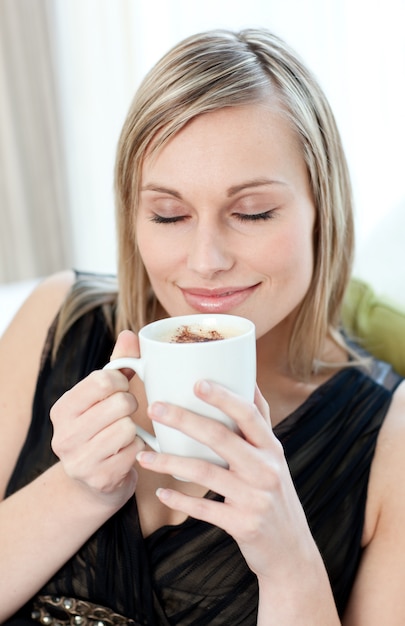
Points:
(179, 351)
(94, 435)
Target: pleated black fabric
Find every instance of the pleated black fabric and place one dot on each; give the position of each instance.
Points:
(194, 573)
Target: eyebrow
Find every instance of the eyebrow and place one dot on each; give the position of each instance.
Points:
(232, 191)
(256, 182)
(158, 189)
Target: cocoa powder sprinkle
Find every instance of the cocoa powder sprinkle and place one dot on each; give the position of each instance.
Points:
(186, 335)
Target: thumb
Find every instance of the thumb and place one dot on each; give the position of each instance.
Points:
(127, 345)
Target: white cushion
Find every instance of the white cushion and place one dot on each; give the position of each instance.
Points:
(12, 295)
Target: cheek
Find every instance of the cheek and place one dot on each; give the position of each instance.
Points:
(158, 255)
(290, 258)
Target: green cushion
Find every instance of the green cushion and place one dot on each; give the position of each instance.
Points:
(377, 324)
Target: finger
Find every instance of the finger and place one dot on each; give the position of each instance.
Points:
(236, 520)
(109, 441)
(70, 434)
(112, 409)
(251, 471)
(110, 474)
(116, 468)
(219, 514)
(127, 345)
(253, 425)
(262, 405)
(246, 524)
(96, 387)
(237, 493)
(252, 462)
(105, 444)
(194, 471)
(207, 431)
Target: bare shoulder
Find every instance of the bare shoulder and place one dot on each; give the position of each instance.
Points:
(394, 425)
(20, 352)
(378, 597)
(390, 457)
(388, 463)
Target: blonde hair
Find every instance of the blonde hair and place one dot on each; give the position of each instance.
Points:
(218, 69)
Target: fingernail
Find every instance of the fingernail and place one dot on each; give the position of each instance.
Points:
(204, 387)
(146, 458)
(163, 494)
(158, 409)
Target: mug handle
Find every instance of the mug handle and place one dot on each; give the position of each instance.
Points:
(137, 365)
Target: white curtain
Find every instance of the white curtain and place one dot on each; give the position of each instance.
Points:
(34, 220)
(102, 48)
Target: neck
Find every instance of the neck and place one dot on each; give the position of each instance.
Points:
(272, 350)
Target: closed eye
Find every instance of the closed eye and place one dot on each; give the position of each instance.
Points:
(254, 217)
(159, 219)
(242, 217)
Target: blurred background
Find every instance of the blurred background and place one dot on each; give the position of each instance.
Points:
(69, 69)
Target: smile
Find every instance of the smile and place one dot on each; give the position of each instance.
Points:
(220, 300)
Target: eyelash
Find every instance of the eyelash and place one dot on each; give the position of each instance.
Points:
(242, 217)
(255, 217)
(158, 219)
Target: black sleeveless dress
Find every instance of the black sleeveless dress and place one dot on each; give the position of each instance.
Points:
(194, 573)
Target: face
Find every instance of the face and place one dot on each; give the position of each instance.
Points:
(226, 218)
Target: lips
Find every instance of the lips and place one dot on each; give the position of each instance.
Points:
(219, 300)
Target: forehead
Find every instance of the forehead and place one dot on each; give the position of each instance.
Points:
(254, 139)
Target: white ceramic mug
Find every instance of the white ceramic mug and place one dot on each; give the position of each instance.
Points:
(170, 368)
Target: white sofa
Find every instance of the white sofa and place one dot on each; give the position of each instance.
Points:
(12, 295)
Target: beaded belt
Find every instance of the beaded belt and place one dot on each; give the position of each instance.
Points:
(63, 611)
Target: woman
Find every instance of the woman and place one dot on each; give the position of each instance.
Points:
(232, 196)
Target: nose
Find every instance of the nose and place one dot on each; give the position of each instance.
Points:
(209, 252)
